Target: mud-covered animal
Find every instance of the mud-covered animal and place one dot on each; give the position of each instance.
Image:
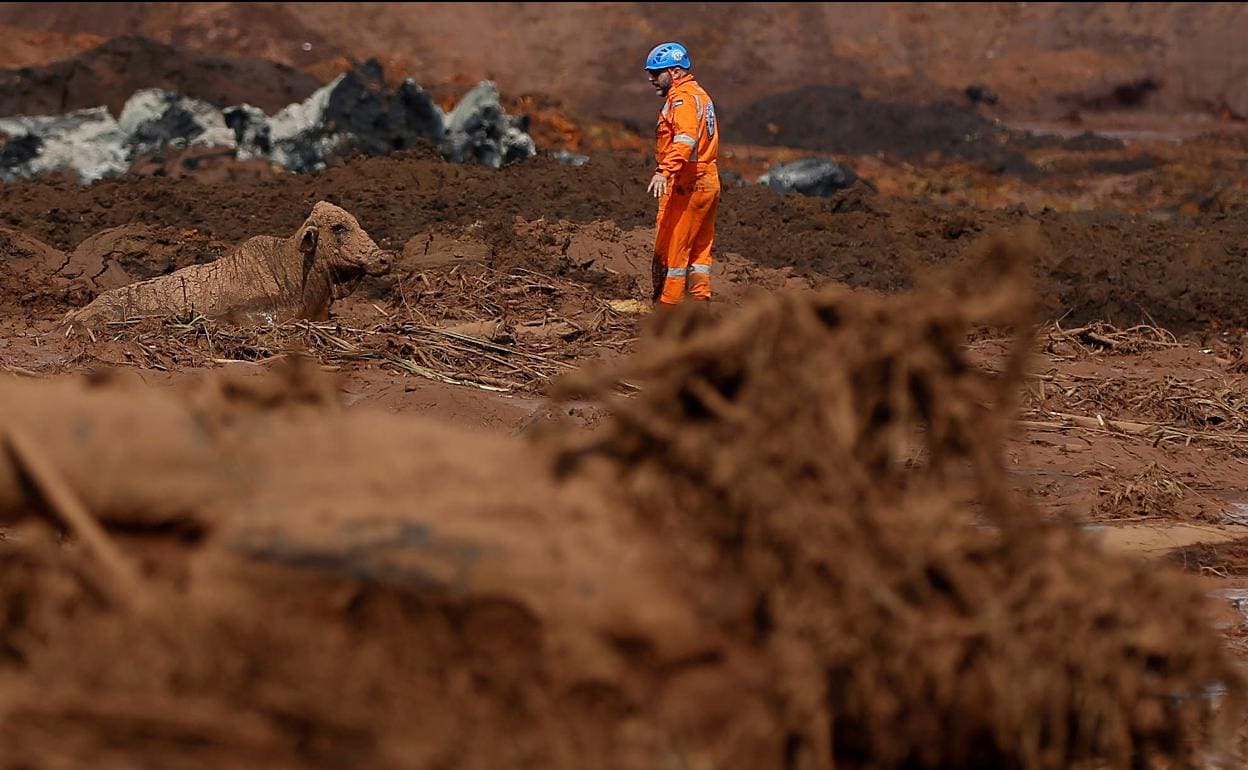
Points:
(266, 279)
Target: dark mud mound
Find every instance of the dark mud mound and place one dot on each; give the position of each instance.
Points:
(818, 442)
(110, 73)
(840, 119)
(1185, 274)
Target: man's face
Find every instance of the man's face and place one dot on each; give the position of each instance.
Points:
(661, 80)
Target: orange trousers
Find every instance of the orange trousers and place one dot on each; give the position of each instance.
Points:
(686, 232)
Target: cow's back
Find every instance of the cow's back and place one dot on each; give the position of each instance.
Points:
(258, 281)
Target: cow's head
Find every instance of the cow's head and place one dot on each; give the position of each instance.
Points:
(332, 241)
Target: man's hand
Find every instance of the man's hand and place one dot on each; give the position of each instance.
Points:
(658, 186)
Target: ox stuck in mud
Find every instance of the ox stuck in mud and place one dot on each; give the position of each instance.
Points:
(339, 429)
(265, 279)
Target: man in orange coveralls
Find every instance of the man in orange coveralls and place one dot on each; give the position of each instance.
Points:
(686, 180)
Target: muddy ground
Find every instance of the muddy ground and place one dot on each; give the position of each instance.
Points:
(589, 230)
(609, 552)
(583, 234)
(720, 520)
(1183, 272)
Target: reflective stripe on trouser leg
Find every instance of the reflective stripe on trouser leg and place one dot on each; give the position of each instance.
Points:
(700, 250)
(699, 283)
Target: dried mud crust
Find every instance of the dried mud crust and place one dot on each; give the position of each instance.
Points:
(788, 579)
(1182, 274)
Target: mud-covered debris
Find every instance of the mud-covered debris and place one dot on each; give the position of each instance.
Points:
(15, 151)
(298, 137)
(810, 176)
(415, 117)
(356, 112)
(569, 158)
(92, 145)
(152, 119)
(479, 129)
(353, 113)
(88, 143)
(251, 131)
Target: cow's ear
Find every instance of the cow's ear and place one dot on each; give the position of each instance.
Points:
(307, 242)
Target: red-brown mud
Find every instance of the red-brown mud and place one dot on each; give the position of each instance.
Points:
(1042, 60)
(809, 531)
(1183, 273)
(111, 72)
(759, 561)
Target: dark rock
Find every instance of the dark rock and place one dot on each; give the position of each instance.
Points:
(478, 129)
(809, 176)
(251, 129)
(980, 94)
(569, 158)
(19, 150)
(356, 113)
(154, 118)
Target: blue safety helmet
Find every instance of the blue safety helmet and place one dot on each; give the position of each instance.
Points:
(667, 55)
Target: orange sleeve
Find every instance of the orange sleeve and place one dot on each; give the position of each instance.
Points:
(683, 117)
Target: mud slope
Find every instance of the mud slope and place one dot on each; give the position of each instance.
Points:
(111, 72)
